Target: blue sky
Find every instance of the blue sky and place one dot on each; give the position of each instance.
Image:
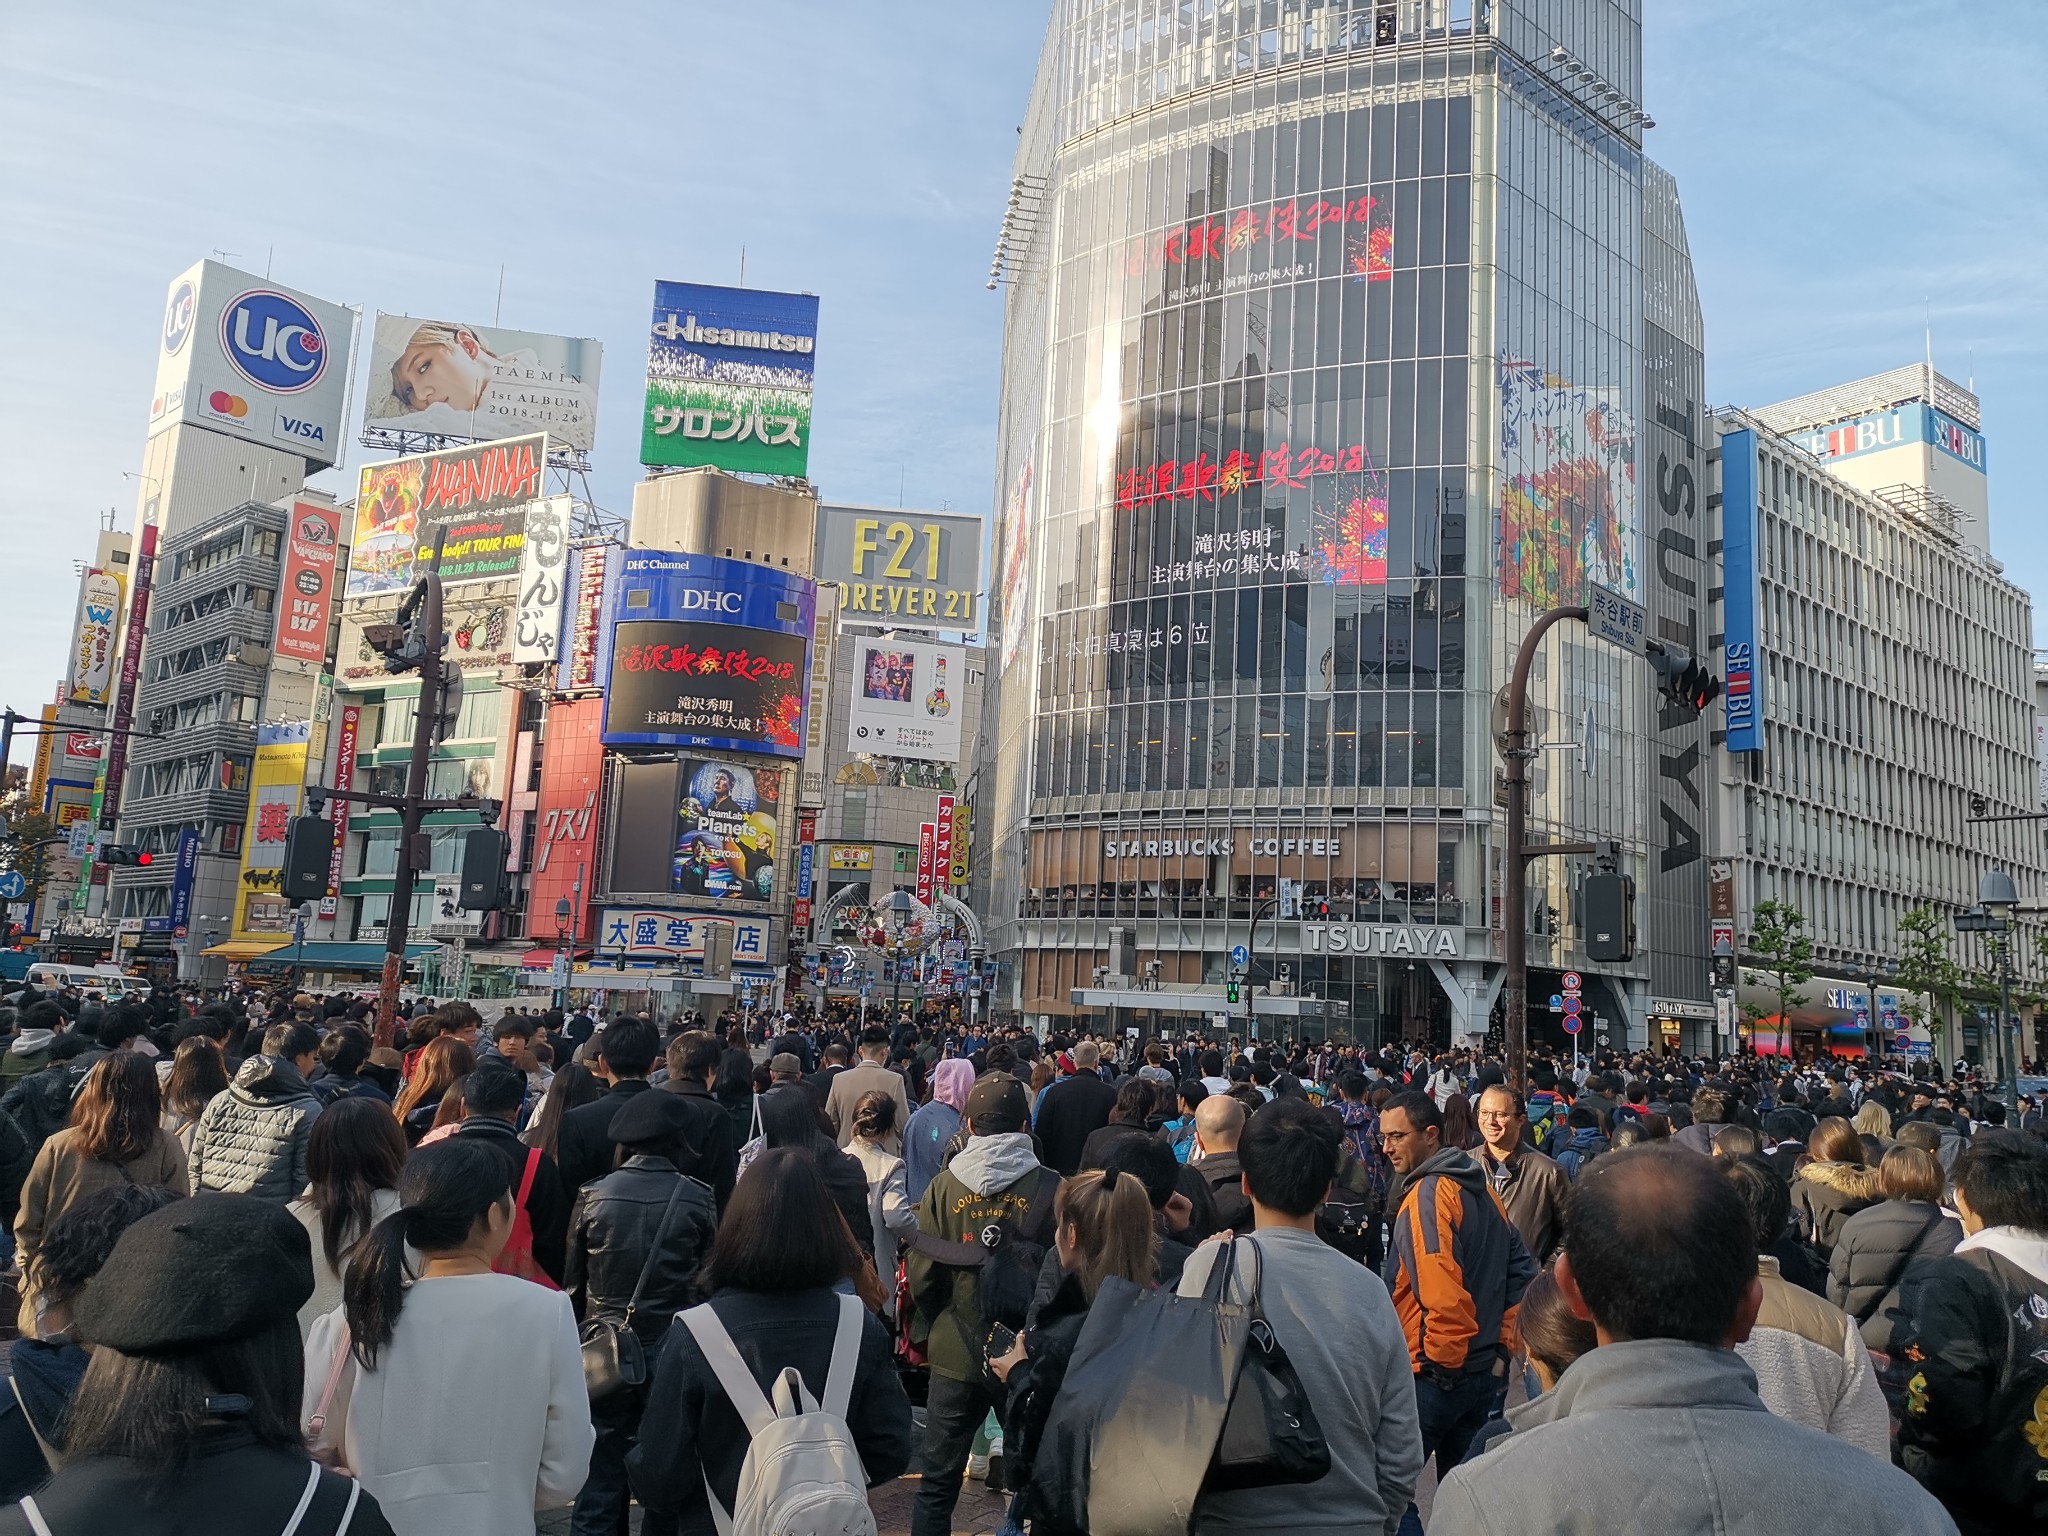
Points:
(1843, 163)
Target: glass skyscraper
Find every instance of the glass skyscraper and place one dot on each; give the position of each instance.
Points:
(1324, 372)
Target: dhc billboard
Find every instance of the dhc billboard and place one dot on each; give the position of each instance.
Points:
(1742, 665)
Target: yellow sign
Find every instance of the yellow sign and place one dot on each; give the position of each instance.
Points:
(847, 856)
(963, 835)
(275, 785)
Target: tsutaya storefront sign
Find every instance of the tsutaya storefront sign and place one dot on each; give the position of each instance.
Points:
(1381, 939)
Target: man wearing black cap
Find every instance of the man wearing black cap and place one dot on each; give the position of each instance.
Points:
(995, 1195)
(637, 1239)
(188, 1318)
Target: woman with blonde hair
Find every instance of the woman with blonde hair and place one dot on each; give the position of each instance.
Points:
(1103, 1228)
(443, 1063)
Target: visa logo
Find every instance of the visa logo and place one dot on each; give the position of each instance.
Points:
(300, 427)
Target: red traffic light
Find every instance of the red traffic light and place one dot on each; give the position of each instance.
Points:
(144, 860)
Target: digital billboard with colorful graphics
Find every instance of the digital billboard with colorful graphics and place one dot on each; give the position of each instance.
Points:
(1741, 666)
(708, 652)
(91, 672)
(907, 699)
(306, 594)
(478, 382)
(567, 820)
(254, 359)
(729, 379)
(276, 784)
(479, 494)
(727, 828)
(1568, 512)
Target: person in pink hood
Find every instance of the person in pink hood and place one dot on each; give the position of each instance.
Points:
(932, 1128)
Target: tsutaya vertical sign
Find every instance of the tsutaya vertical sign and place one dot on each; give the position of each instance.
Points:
(927, 847)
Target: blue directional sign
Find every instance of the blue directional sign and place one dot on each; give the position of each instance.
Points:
(1238, 954)
(12, 885)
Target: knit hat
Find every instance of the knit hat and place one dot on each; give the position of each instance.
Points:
(656, 1116)
(997, 1105)
(208, 1270)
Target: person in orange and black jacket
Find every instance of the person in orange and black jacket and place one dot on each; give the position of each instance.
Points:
(1457, 1269)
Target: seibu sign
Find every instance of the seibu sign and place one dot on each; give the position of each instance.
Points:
(1381, 939)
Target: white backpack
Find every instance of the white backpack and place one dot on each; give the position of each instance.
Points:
(802, 1475)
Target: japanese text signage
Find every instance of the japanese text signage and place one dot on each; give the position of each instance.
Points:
(942, 847)
(543, 573)
(92, 650)
(275, 784)
(927, 852)
(337, 810)
(479, 494)
(708, 652)
(729, 379)
(806, 869)
(640, 933)
(305, 598)
(918, 569)
(564, 862)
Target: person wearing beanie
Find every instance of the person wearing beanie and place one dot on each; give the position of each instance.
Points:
(187, 1417)
(637, 1239)
(458, 1396)
(995, 1183)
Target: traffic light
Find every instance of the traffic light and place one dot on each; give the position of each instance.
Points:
(483, 868)
(1683, 683)
(1607, 917)
(122, 854)
(308, 851)
(1231, 994)
(1979, 807)
(403, 643)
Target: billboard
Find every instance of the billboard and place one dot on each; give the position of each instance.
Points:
(917, 568)
(253, 359)
(566, 812)
(850, 856)
(474, 383)
(276, 782)
(543, 576)
(1913, 423)
(1742, 668)
(729, 379)
(727, 829)
(1014, 564)
(595, 566)
(708, 652)
(1567, 511)
(479, 493)
(337, 810)
(657, 934)
(306, 593)
(906, 699)
(91, 672)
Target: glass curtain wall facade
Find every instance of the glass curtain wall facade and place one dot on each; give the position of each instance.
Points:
(1321, 377)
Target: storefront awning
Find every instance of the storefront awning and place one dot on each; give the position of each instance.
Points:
(327, 956)
(543, 959)
(245, 949)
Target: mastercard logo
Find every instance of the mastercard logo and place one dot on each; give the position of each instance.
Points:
(221, 403)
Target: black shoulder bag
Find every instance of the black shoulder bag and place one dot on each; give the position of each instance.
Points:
(613, 1357)
(1270, 1433)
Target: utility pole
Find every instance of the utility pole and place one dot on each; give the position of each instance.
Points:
(398, 926)
(1251, 960)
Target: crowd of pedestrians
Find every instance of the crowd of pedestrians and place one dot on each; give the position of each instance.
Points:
(274, 1277)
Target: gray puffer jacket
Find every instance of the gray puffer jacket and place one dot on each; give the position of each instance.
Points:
(252, 1138)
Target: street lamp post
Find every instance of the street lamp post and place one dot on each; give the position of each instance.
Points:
(1999, 898)
(900, 906)
(1251, 960)
(564, 913)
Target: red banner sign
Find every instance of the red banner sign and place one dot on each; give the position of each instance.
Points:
(337, 810)
(567, 813)
(305, 599)
(942, 846)
(927, 842)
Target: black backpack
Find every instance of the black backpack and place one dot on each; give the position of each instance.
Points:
(1007, 1257)
(1345, 1220)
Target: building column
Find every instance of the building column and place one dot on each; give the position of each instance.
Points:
(1471, 986)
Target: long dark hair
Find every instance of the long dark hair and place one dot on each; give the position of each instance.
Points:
(118, 1107)
(790, 1117)
(735, 1081)
(356, 1149)
(198, 1073)
(781, 1231)
(574, 1086)
(445, 1188)
(150, 1410)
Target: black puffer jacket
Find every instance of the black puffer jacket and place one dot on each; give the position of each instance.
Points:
(1871, 1254)
(1048, 1347)
(613, 1228)
(1824, 1195)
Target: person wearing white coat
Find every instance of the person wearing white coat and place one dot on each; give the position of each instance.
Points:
(890, 1212)
(460, 1400)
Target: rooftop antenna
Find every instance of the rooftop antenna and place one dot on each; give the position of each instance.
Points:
(743, 266)
(500, 310)
(1927, 312)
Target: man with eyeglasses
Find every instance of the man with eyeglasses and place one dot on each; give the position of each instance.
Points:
(1531, 1188)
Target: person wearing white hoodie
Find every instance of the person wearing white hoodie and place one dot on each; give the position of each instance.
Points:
(1973, 1330)
(994, 1186)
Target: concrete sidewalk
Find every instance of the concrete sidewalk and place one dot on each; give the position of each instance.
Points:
(979, 1512)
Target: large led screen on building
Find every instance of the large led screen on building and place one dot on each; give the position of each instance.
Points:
(702, 828)
(708, 652)
(1568, 512)
(479, 494)
(477, 382)
(729, 379)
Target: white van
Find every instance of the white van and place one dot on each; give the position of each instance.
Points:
(108, 980)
